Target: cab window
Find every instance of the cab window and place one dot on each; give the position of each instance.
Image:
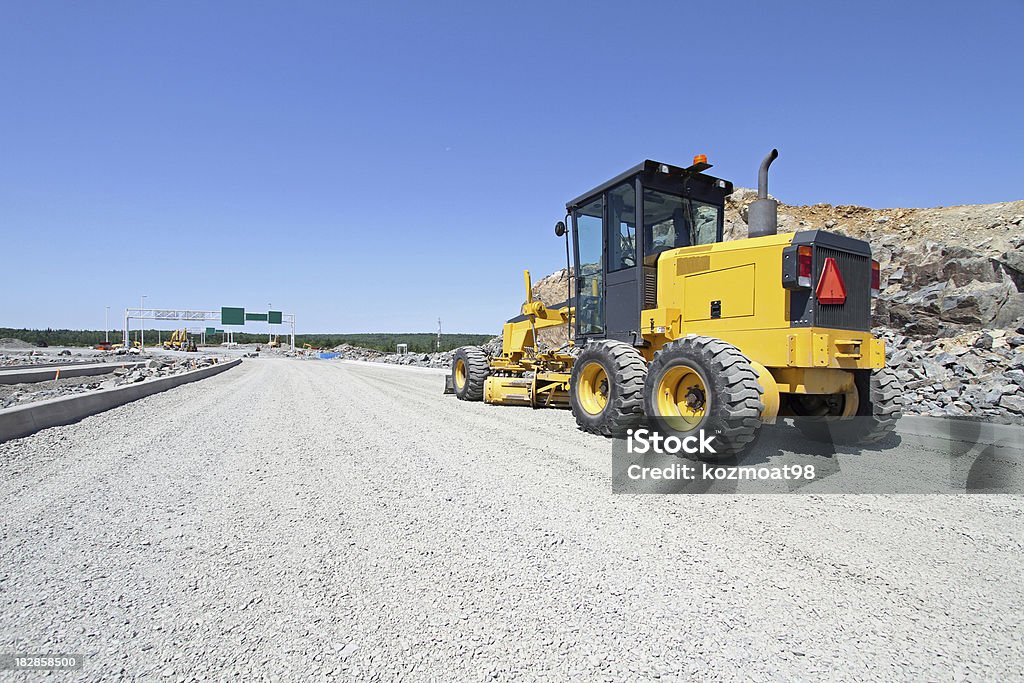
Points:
(704, 218)
(664, 221)
(671, 221)
(622, 227)
(589, 221)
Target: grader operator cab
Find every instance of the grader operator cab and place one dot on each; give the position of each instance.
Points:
(669, 323)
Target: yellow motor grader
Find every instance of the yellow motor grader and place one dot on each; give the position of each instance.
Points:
(669, 323)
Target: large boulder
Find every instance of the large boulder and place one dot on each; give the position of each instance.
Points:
(1012, 262)
(977, 303)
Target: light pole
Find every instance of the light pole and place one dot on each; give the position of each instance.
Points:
(142, 325)
(106, 325)
(270, 328)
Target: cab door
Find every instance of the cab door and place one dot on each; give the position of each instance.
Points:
(588, 229)
(622, 293)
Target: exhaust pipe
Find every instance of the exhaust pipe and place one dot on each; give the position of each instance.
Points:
(763, 214)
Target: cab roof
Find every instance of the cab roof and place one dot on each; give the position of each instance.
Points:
(649, 166)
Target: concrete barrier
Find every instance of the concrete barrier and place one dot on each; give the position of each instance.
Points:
(23, 376)
(30, 418)
(51, 364)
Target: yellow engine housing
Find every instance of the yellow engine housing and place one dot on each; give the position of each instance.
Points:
(745, 276)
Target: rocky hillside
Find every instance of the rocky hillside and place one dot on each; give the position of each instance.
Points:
(945, 271)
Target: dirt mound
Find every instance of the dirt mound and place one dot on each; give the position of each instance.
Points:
(11, 343)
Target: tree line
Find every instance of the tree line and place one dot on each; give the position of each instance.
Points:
(419, 342)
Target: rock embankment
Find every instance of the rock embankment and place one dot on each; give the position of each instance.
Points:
(441, 359)
(976, 374)
(17, 394)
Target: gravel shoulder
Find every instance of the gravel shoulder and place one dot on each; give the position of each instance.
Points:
(299, 518)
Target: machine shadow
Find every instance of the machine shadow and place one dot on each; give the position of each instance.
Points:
(784, 439)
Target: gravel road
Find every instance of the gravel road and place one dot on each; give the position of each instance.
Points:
(294, 519)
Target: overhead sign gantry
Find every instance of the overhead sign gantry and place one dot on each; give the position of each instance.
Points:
(227, 315)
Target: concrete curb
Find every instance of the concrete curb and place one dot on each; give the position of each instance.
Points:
(62, 364)
(27, 376)
(30, 418)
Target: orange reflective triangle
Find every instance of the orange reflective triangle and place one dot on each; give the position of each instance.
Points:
(831, 289)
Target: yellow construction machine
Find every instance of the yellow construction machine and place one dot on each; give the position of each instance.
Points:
(524, 373)
(668, 323)
(180, 341)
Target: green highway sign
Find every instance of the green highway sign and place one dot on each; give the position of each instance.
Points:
(274, 317)
(232, 316)
(255, 316)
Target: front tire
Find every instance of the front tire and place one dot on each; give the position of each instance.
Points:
(470, 369)
(606, 387)
(703, 383)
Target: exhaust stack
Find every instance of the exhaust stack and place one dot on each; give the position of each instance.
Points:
(763, 214)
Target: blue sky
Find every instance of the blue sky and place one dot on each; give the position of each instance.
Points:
(373, 166)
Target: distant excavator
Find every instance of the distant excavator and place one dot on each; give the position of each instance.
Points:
(180, 341)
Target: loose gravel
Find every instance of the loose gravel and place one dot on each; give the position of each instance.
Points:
(290, 519)
(19, 394)
(12, 395)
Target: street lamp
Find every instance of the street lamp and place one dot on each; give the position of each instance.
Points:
(142, 324)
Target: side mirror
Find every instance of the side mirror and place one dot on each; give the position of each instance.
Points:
(559, 228)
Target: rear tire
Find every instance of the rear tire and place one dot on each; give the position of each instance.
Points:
(607, 386)
(470, 369)
(880, 407)
(703, 383)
